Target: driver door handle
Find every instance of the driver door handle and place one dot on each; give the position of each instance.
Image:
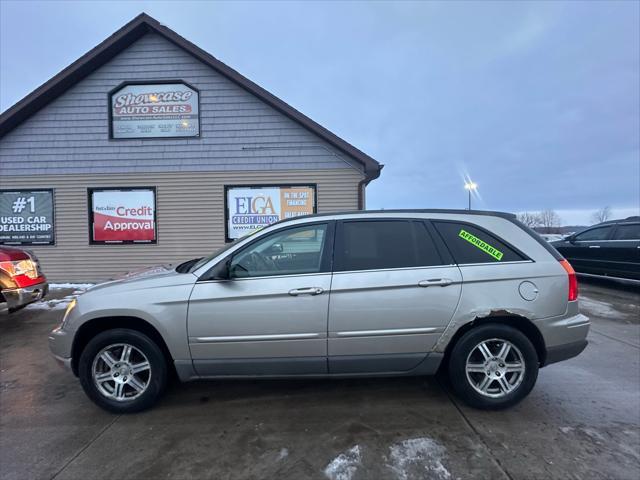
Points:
(594, 246)
(306, 291)
(442, 282)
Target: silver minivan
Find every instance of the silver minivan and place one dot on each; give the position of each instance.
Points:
(475, 294)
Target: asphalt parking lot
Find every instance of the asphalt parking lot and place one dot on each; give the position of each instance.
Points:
(582, 420)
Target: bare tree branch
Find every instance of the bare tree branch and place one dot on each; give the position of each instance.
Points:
(601, 215)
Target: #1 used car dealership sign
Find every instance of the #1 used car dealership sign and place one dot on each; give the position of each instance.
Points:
(26, 217)
(154, 110)
(123, 215)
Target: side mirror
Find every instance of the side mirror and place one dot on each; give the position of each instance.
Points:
(571, 239)
(222, 271)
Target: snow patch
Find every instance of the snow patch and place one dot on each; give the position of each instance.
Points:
(598, 307)
(54, 304)
(344, 466)
(77, 286)
(284, 453)
(566, 430)
(60, 303)
(417, 457)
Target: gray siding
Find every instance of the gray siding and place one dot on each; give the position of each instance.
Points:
(190, 216)
(238, 131)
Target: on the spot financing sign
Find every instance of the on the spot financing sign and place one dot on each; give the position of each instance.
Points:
(154, 110)
(123, 216)
(251, 208)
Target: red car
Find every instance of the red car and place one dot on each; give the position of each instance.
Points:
(21, 281)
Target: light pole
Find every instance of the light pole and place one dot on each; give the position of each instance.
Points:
(470, 186)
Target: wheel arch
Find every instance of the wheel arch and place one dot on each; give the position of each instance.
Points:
(95, 326)
(523, 324)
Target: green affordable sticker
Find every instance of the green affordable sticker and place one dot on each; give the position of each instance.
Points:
(484, 246)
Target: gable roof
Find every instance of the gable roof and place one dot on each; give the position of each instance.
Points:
(128, 34)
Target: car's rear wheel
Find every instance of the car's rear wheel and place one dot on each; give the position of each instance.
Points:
(493, 366)
(122, 370)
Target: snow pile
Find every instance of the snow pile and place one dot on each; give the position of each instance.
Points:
(418, 458)
(344, 466)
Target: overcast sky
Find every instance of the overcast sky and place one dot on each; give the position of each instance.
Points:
(537, 102)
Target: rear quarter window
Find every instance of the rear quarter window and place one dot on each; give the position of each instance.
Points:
(470, 244)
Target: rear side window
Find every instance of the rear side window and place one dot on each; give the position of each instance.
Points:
(469, 244)
(375, 244)
(627, 232)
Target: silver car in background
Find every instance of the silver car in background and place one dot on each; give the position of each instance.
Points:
(337, 295)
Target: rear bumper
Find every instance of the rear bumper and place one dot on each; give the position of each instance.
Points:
(19, 297)
(565, 352)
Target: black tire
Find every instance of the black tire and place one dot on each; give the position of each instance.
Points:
(156, 380)
(468, 342)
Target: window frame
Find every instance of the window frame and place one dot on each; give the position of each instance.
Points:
(526, 258)
(339, 238)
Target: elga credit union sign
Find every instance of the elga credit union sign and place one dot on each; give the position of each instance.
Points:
(250, 208)
(123, 215)
(154, 110)
(26, 217)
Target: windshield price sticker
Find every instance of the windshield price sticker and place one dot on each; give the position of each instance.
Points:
(482, 245)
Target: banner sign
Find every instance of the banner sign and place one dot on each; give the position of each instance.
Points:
(26, 217)
(154, 110)
(122, 215)
(250, 208)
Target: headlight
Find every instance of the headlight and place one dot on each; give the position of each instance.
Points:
(71, 306)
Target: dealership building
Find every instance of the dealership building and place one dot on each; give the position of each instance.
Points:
(149, 150)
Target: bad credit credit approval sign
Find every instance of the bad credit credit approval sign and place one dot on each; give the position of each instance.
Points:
(251, 208)
(123, 216)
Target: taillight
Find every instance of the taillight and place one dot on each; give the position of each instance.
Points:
(22, 272)
(573, 280)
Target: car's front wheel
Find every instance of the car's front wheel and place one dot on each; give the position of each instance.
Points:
(122, 370)
(493, 366)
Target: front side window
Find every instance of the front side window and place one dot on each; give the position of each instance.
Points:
(292, 251)
(469, 244)
(595, 234)
(378, 244)
(627, 232)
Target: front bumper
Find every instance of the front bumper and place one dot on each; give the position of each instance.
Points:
(19, 297)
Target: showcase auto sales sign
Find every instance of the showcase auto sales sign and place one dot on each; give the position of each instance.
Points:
(123, 215)
(155, 111)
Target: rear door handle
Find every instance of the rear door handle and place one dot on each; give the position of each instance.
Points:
(442, 282)
(306, 291)
(594, 246)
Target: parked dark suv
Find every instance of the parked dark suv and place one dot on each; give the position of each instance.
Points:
(610, 248)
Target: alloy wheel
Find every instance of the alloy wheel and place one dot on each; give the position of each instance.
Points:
(495, 368)
(121, 372)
